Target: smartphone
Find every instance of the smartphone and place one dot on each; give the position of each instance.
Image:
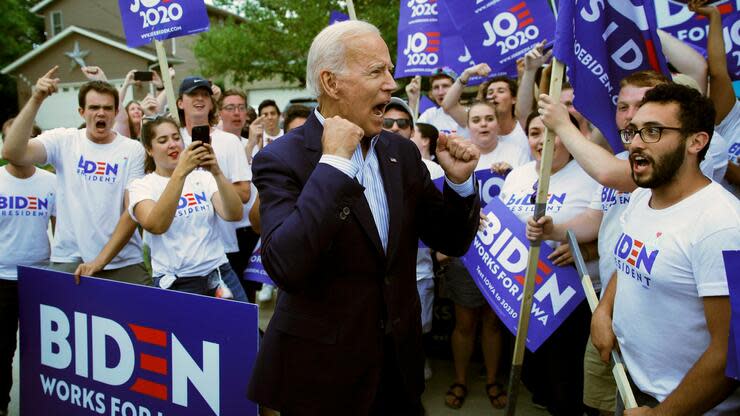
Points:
(202, 133)
(143, 75)
(548, 45)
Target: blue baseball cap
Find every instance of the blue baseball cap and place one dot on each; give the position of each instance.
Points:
(189, 84)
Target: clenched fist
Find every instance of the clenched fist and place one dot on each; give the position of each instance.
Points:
(340, 137)
(457, 156)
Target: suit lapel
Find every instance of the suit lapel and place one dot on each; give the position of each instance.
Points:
(390, 171)
(365, 218)
(361, 209)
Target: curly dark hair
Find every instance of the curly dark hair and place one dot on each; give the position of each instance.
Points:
(696, 113)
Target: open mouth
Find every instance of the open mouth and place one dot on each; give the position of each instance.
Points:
(379, 109)
(174, 154)
(100, 124)
(639, 162)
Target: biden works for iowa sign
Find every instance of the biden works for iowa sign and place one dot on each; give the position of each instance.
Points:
(109, 348)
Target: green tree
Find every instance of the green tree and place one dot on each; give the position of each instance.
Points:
(21, 29)
(274, 39)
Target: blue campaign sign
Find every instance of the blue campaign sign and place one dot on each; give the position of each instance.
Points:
(255, 271)
(601, 43)
(489, 185)
(425, 103)
(419, 38)
(497, 261)
(145, 20)
(337, 16)
(498, 32)
(732, 269)
(455, 54)
(110, 348)
(675, 18)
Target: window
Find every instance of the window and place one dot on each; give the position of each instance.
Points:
(56, 23)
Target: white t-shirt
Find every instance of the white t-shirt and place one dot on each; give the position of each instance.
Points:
(437, 117)
(570, 191)
(504, 152)
(424, 265)
(267, 138)
(714, 164)
(666, 261)
(570, 194)
(192, 245)
(232, 159)
(517, 137)
(25, 208)
(611, 203)
(91, 180)
(730, 129)
(252, 190)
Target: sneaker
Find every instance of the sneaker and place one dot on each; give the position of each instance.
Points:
(427, 371)
(265, 294)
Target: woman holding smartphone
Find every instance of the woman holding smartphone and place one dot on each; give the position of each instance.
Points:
(177, 206)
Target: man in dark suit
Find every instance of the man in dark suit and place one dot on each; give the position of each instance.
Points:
(343, 208)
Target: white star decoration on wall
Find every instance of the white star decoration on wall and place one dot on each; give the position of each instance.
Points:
(77, 56)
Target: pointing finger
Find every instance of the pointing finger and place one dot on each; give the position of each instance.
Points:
(51, 72)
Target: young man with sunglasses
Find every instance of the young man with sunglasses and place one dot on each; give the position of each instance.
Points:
(397, 118)
(669, 263)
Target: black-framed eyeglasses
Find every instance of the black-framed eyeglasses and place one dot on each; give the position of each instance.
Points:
(649, 134)
(402, 122)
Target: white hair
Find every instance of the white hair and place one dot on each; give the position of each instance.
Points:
(328, 51)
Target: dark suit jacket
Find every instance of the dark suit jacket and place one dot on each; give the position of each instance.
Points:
(340, 293)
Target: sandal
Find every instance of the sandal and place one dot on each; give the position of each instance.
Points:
(457, 400)
(493, 398)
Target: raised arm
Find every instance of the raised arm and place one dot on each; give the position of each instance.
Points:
(451, 103)
(598, 162)
(720, 86)
(525, 99)
(685, 58)
(18, 149)
(413, 91)
(121, 125)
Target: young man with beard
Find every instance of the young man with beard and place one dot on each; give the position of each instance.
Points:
(668, 307)
(600, 220)
(94, 235)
